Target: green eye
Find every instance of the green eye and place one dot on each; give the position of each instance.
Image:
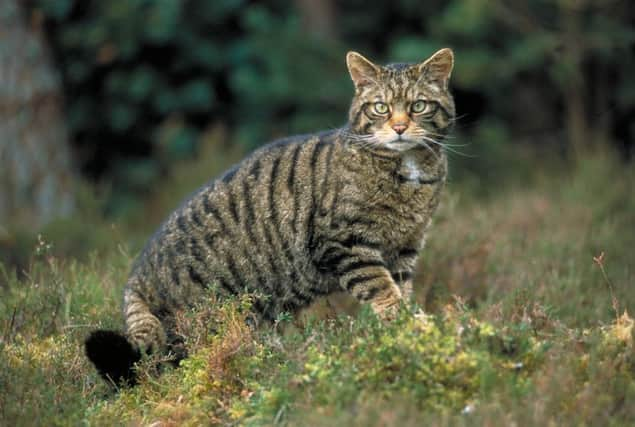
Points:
(381, 108)
(419, 106)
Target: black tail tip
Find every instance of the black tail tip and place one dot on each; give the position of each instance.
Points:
(113, 356)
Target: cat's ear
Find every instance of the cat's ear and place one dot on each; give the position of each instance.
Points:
(438, 67)
(361, 69)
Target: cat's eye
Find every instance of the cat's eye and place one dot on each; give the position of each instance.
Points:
(421, 106)
(381, 108)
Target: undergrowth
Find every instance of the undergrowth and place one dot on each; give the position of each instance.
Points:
(522, 327)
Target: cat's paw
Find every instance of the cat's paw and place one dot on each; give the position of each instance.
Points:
(386, 306)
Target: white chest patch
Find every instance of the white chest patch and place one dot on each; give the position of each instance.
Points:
(411, 169)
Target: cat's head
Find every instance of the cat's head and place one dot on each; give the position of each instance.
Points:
(401, 106)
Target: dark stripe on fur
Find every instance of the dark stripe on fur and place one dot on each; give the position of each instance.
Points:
(360, 264)
(233, 209)
(358, 280)
(356, 240)
(370, 294)
(408, 253)
(212, 210)
(229, 175)
(195, 276)
(401, 276)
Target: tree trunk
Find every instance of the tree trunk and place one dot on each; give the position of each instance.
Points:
(36, 179)
(575, 88)
(318, 17)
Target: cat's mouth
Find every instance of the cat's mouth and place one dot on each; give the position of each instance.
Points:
(401, 143)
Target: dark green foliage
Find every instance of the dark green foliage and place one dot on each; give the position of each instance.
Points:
(144, 78)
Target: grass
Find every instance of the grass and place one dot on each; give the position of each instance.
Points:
(522, 327)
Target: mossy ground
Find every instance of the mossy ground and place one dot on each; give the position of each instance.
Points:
(523, 327)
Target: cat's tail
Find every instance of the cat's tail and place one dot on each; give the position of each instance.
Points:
(114, 356)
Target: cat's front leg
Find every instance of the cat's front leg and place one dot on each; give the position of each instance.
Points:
(373, 286)
(363, 273)
(401, 270)
(385, 302)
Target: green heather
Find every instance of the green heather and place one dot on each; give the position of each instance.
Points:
(522, 326)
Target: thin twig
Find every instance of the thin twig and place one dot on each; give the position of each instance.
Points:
(599, 260)
(7, 333)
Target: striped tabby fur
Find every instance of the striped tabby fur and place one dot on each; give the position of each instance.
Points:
(301, 217)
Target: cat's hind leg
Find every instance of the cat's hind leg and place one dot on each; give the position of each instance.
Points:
(143, 328)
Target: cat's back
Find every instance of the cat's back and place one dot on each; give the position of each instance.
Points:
(248, 230)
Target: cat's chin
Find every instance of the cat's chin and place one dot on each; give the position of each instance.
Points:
(401, 145)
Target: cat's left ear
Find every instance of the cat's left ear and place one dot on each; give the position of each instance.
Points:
(438, 67)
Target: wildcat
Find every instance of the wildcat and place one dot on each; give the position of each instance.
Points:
(301, 217)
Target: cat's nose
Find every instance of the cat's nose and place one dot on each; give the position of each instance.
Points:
(399, 128)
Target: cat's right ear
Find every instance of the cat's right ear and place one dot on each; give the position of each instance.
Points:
(363, 72)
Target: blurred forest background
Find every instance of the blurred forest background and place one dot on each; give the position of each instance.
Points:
(100, 101)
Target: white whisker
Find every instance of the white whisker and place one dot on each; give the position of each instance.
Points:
(422, 133)
(424, 138)
(445, 146)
